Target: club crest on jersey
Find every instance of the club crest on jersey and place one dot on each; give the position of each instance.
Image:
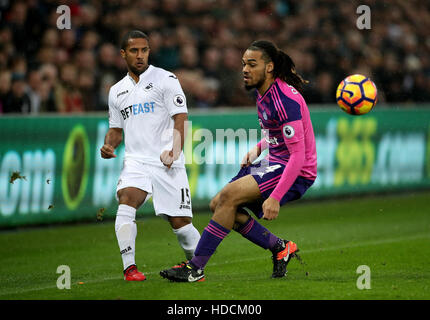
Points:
(288, 132)
(149, 87)
(179, 100)
(264, 115)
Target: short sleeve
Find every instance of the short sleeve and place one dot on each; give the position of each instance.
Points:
(114, 113)
(173, 96)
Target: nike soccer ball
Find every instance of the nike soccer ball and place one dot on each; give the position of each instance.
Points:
(356, 94)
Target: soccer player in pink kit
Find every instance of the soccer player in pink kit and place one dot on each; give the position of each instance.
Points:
(284, 175)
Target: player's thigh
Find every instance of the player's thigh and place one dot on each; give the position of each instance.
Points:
(131, 196)
(171, 192)
(241, 191)
(134, 184)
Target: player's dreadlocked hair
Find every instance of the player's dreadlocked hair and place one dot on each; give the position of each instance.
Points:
(284, 67)
(134, 34)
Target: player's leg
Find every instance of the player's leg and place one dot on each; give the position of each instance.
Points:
(172, 199)
(130, 199)
(252, 230)
(133, 189)
(282, 250)
(214, 202)
(231, 197)
(188, 236)
(248, 227)
(243, 190)
(234, 194)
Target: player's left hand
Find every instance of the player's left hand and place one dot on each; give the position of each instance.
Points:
(270, 209)
(167, 158)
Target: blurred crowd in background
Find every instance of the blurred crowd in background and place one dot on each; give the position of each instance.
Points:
(44, 69)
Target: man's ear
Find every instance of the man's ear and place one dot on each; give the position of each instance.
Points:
(122, 52)
(269, 67)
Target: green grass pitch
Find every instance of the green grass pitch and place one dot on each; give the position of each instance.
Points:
(389, 234)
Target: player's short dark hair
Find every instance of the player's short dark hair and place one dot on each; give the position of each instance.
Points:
(133, 34)
(284, 67)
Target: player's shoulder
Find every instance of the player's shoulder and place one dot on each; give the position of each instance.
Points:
(162, 74)
(119, 87)
(286, 90)
(289, 99)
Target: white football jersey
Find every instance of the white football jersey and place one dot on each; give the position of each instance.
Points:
(144, 111)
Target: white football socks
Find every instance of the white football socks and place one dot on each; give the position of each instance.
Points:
(126, 232)
(188, 237)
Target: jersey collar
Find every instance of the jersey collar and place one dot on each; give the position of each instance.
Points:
(147, 71)
(260, 97)
(142, 75)
(131, 79)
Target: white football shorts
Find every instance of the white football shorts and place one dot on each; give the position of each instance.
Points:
(169, 188)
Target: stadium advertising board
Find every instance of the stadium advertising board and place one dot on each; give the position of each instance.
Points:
(51, 169)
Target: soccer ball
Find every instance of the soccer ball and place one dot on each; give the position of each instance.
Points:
(356, 94)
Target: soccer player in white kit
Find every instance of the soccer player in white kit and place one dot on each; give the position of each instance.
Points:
(149, 106)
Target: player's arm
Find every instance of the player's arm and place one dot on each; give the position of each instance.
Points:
(179, 132)
(114, 135)
(176, 105)
(294, 140)
(254, 153)
(112, 140)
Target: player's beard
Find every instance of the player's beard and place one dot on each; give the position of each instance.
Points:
(258, 84)
(136, 71)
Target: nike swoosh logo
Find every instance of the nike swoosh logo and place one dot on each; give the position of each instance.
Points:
(192, 279)
(286, 257)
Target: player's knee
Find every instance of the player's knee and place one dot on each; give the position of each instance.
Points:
(132, 197)
(179, 222)
(213, 203)
(125, 199)
(129, 200)
(226, 198)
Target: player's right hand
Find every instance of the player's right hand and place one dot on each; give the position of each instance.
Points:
(107, 151)
(270, 209)
(167, 158)
(250, 157)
